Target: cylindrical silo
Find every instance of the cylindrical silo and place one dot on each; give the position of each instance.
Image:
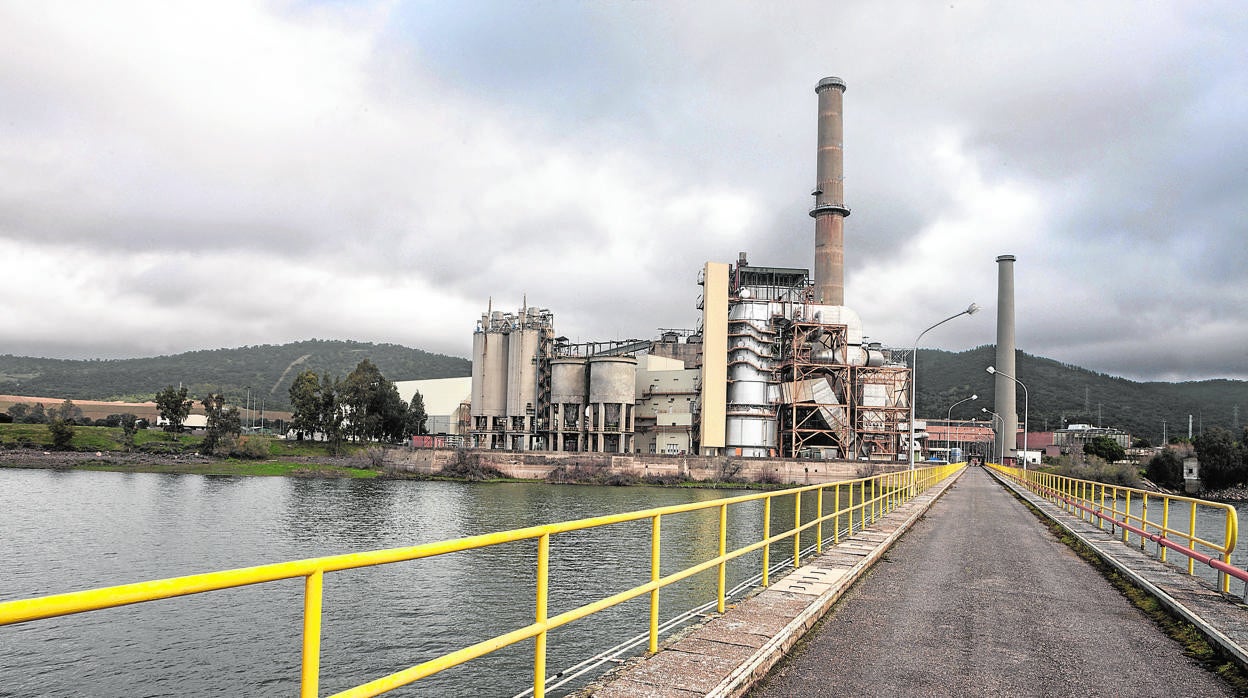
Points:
(489, 374)
(569, 393)
(612, 395)
(522, 364)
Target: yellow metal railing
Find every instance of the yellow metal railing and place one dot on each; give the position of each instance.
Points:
(1128, 509)
(864, 501)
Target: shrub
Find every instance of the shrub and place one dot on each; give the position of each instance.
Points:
(468, 467)
(1166, 469)
(62, 434)
(1099, 470)
(247, 447)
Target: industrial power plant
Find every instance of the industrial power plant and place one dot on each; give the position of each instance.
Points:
(777, 366)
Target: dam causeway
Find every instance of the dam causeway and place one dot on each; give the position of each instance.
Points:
(732, 654)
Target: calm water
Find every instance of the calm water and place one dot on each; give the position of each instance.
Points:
(67, 531)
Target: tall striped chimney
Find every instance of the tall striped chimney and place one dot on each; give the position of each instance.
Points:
(829, 211)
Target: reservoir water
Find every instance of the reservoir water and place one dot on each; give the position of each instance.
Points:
(68, 531)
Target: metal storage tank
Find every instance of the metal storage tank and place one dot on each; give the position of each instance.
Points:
(613, 379)
(569, 390)
(522, 358)
(489, 374)
(612, 396)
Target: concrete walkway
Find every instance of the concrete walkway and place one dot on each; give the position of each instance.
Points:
(980, 599)
(730, 653)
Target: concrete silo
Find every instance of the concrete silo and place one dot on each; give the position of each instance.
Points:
(612, 398)
(569, 394)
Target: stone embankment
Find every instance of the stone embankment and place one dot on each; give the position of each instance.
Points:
(537, 466)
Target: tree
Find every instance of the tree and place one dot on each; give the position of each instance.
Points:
(26, 413)
(1221, 459)
(18, 412)
(62, 434)
(305, 404)
(416, 416)
(222, 423)
(1105, 447)
(174, 407)
(129, 428)
(1166, 468)
(333, 413)
(374, 408)
(67, 411)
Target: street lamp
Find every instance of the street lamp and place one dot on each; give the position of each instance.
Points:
(995, 372)
(995, 417)
(962, 424)
(914, 369)
(949, 416)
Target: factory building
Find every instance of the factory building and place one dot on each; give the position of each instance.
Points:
(778, 366)
(446, 401)
(666, 395)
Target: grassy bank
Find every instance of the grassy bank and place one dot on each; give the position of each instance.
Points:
(233, 467)
(156, 451)
(155, 441)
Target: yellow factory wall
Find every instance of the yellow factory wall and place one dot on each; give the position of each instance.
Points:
(714, 396)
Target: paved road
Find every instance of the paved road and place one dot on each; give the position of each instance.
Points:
(980, 599)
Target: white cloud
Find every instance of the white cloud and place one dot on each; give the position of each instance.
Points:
(379, 170)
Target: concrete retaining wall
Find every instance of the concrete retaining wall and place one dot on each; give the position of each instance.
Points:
(536, 466)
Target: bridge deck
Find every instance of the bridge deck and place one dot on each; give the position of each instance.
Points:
(977, 598)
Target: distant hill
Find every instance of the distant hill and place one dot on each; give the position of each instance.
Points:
(267, 370)
(1062, 394)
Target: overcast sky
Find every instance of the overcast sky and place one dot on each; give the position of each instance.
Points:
(195, 175)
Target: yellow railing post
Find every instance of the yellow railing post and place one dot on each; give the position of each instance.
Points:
(1165, 525)
(819, 518)
(311, 669)
(797, 532)
(1144, 521)
(1126, 517)
(1100, 522)
(862, 506)
(655, 547)
(1191, 537)
(1223, 577)
(766, 537)
(836, 514)
(539, 653)
(723, 564)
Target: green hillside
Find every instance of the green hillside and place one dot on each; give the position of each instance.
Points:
(1062, 394)
(267, 370)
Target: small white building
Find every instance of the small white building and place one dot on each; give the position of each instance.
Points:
(192, 421)
(1191, 475)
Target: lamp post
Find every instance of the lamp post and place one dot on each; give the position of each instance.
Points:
(962, 424)
(949, 416)
(995, 417)
(995, 372)
(914, 370)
